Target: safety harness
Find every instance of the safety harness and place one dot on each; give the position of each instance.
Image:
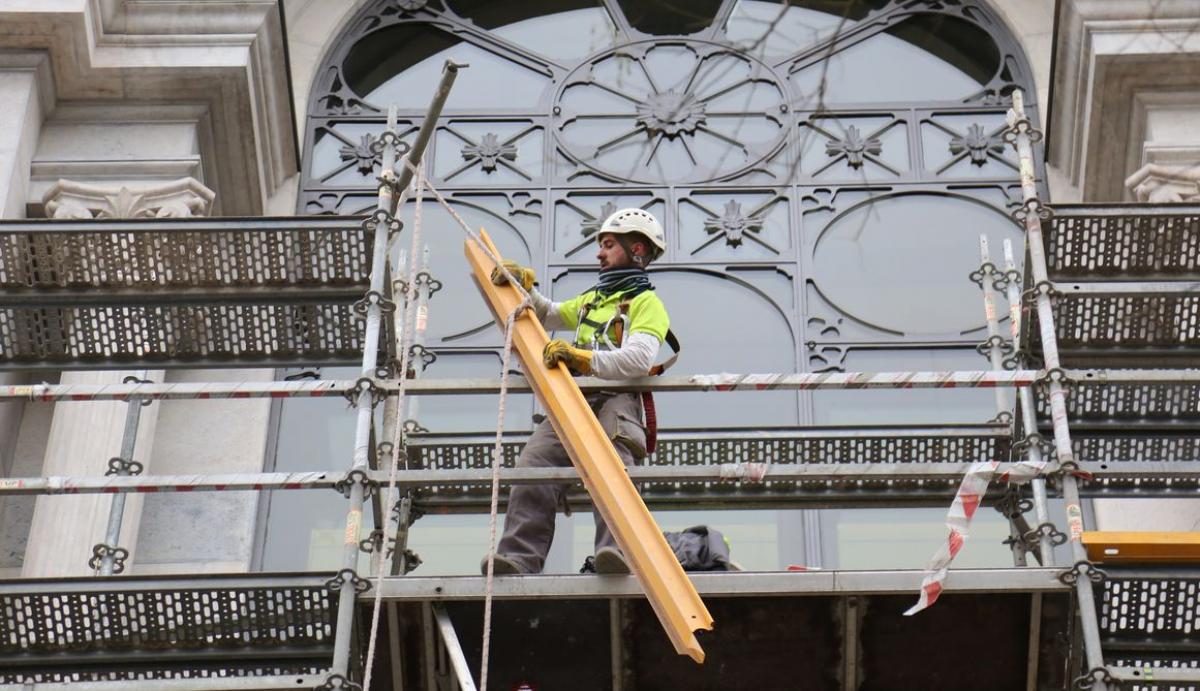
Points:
(619, 325)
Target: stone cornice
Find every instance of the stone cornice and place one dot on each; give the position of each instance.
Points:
(183, 198)
(1162, 184)
(1110, 54)
(224, 54)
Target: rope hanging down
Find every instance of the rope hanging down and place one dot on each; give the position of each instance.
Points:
(421, 184)
(497, 449)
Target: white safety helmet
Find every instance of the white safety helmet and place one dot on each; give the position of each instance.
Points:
(635, 220)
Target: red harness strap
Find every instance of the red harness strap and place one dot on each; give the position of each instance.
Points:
(651, 421)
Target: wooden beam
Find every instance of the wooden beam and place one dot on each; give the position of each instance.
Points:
(1114, 547)
(672, 595)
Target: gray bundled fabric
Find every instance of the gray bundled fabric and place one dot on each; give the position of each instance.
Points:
(700, 548)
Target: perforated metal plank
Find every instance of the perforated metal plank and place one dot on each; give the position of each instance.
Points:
(135, 259)
(1123, 241)
(181, 292)
(1130, 402)
(1099, 331)
(131, 629)
(951, 444)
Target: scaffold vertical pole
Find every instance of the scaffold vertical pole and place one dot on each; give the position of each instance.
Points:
(995, 343)
(123, 466)
(382, 223)
(1021, 134)
(1025, 399)
(993, 347)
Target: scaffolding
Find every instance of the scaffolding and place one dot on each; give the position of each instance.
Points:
(1105, 404)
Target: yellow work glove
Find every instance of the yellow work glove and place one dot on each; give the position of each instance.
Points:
(578, 360)
(524, 275)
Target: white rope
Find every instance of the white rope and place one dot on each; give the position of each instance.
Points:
(406, 339)
(497, 450)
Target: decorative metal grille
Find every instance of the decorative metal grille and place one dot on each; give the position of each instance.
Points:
(758, 145)
(67, 636)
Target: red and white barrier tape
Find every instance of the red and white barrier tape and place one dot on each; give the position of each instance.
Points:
(958, 520)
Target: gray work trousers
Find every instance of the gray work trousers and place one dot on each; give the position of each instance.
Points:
(529, 520)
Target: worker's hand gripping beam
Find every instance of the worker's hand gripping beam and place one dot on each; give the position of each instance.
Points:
(672, 595)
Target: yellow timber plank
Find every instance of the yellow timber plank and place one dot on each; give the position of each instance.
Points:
(672, 595)
(1142, 547)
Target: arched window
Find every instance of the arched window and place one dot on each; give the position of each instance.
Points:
(823, 169)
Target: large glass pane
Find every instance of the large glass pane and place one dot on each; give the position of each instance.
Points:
(889, 261)
(384, 76)
(925, 58)
(458, 315)
(773, 30)
(894, 538)
(565, 35)
(305, 529)
(906, 406)
(669, 18)
(559, 29)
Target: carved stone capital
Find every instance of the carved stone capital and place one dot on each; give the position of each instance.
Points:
(182, 198)
(1165, 184)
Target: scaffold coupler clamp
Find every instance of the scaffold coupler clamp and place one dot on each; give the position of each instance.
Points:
(1082, 568)
(419, 352)
(355, 476)
(1032, 440)
(1069, 467)
(381, 217)
(1002, 280)
(1029, 297)
(1096, 674)
(118, 554)
(1018, 124)
(372, 543)
(1056, 375)
(361, 585)
(985, 347)
(1012, 505)
(986, 269)
(1031, 209)
(120, 467)
(337, 682)
(362, 306)
(1002, 418)
(138, 380)
(1044, 531)
(364, 385)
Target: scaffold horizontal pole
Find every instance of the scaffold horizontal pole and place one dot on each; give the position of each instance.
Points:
(265, 683)
(728, 472)
(1120, 288)
(730, 583)
(699, 382)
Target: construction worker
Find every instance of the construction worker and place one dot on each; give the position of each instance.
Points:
(620, 325)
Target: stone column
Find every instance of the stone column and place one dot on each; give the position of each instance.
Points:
(26, 97)
(85, 435)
